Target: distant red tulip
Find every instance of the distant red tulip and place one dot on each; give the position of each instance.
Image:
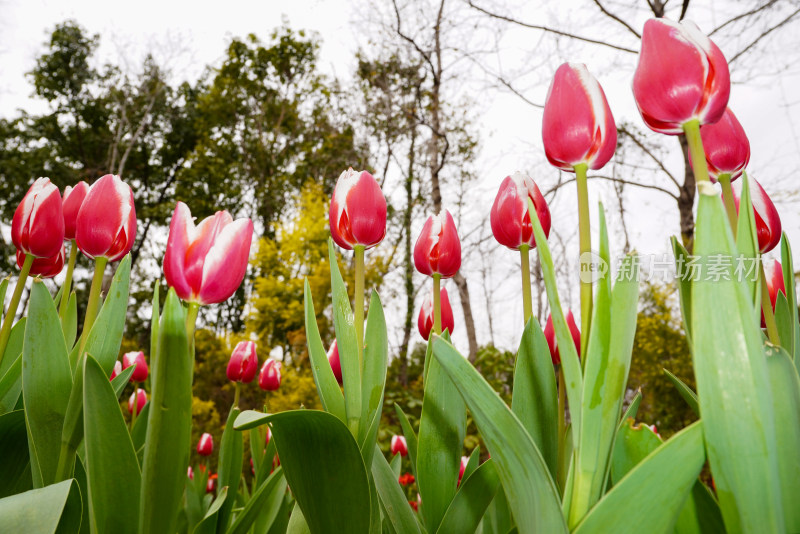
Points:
(462, 468)
(726, 146)
(358, 210)
(141, 400)
(205, 447)
(768, 222)
(773, 275)
(38, 224)
(511, 222)
(141, 371)
(44, 267)
(438, 248)
(116, 371)
(211, 484)
(335, 362)
(243, 364)
(552, 343)
(269, 379)
(406, 479)
(415, 504)
(425, 319)
(190, 473)
(71, 204)
(399, 446)
(106, 222)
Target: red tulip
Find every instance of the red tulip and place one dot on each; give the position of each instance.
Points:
(106, 223)
(211, 484)
(577, 126)
(552, 343)
(116, 370)
(406, 479)
(243, 364)
(71, 204)
(38, 224)
(141, 371)
(358, 211)
(773, 274)
(726, 145)
(415, 504)
(425, 319)
(511, 222)
(205, 447)
(681, 76)
(268, 437)
(141, 400)
(438, 249)
(206, 263)
(768, 222)
(335, 362)
(269, 379)
(464, 462)
(44, 267)
(399, 446)
(190, 473)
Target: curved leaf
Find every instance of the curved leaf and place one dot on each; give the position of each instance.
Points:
(54, 509)
(106, 336)
(394, 503)
(231, 456)
(411, 437)
(14, 346)
(208, 525)
(473, 497)
(685, 391)
(268, 499)
(376, 354)
(11, 386)
(14, 461)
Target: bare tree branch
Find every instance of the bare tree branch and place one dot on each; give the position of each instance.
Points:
(618, 19)
(612, 179)
(410, 40)
(763, 34)
(652, 156)
(742, 15)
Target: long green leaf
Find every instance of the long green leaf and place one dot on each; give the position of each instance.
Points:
(531, 492)
(683, 280)
(231, 456)
(376, 355)
(11, 386)
(269, 495)
(14, 347)
(112, 468)
(208, 525)
(69, 323)
(632, 410)
(155, 319)
(394, 503)
(732, 383)
(473, 497)
(534, 397)
(54, 509)
(410, 435)
(685, 391)
(105, 338)
(793, 344)
(3, 289)
(14, 461)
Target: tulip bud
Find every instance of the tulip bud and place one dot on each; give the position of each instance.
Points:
(399, 446)
(106, 223)
(71, 204)
(206, 263)
(726, 146)
(681, 76)
(211, 484)
(425, 319)
(511, 222)
(243, 364)
(268, 437)
(190, 473)
(140, 399)
(116, 370)
(415, 504)
(773, 275)
(438, 249)
(44, 267)
(141, 370)
(406, 479)
(206, 445)
(269, 379)
(38, 224)
(464, 462)
(577, 126)
(768, 222)
(552, 343)
(335, 362)
(358, 211)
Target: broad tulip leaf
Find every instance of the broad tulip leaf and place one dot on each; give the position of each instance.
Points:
(783, 320)
(534, 397)
(473, 462)
(732, 382)
(376, 354)
(636, 501)
(54, 509)
(105, 338)
(327, 387)
(14, 346)
(83, 486)
(46, 384)
(111, 466)
(683, 279)
(231, 456)
(11, 386)
(154, 325)
(747, 243)
(367, 445)
(473, 497)
(14, 461)
(497, 519)
(793, 346)
(411, 437)
(208, 525)
(267, 500)
(166, 452)
(393, 500)
(685, 391)
(529, 488)
(297, 522)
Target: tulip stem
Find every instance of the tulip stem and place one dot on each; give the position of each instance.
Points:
(437, 304)
(237, 390)
(727, 197)
(94, 299)
(766, 306)
(191, 321)
(527, 308)
(5, 331)
(585, 236)
(359, 303)
(561, 474)
(67, 288)
(699, 165)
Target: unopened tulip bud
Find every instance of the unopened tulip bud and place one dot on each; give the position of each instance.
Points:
(577, 126)
(511, 221)
(358, 211)
(190, 473)
(211, 484)
(38, 224)
(425, 319)
(773, 275)
(71, 204)
(399, 446)
(681, 76)
(206, 263)
(106, 222)
(44, 267)
(726, 146)
(269, 379)
(552, 343)
(438, 248)
(768, 222)
(462, 468)
(206, 445)
(141, 371)
(116, 371)
(140, 399)
(335, 362)
(243, 364)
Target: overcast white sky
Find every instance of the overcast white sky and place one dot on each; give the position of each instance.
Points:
(191, 35)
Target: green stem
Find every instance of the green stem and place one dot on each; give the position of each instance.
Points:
(5, 331)
(94, 299)
(359, 303)
(727, 198)
(527, 308)
(191, 321)
(65, 291)
(585, 236)
(766, 306)
(562, 404)
(437, 304)
(237, 391)
(699, 165)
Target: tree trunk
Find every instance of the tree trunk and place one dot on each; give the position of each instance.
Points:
(408, 273)
(686, 198)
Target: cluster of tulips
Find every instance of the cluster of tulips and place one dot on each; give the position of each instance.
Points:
(566, 456)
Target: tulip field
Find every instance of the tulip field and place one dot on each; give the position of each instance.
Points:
(567, 455)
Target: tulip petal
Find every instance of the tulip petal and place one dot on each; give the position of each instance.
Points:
(226, 262)
(180, 229)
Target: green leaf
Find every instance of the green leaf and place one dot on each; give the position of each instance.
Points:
(14, 461)
(737, 426)
(746, 240)
(793, 343)
(11, 386)
(685, 391)
(83, 486)
(531, 492)
(105, 338)
(473, 462)
(3, 289)
(783, 320)
(633, 409)
(111, 466)
(166, 453)
(394, 503)
(636, 501)
(209, 523)
(682, 258)
(267, 499)
(473, 497)
(154, 325)
(376, 354)
(497, 519)
(69, 324)
(46, 384)
(327, 387)
(411, 437)
(297, 523)
(231, 456)
(54, 509)
(139, 432)
(534, 397)
(14, 347)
